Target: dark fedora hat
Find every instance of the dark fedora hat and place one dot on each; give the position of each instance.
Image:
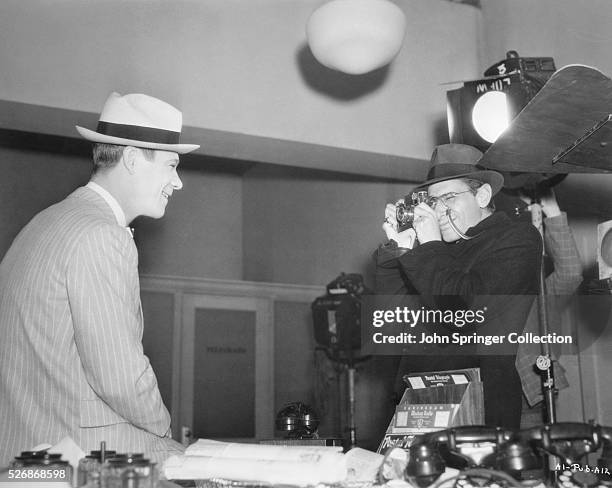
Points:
(454, 161)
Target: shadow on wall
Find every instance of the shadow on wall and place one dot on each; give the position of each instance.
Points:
(336, 84)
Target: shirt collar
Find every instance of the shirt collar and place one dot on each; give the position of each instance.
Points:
(112, 203)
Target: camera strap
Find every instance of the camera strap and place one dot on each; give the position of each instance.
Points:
(456, 230)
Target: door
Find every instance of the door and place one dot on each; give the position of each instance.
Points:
(227, 367)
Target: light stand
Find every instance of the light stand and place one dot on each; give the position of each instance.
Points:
(352, 427)
(337, 328)
(544, 362)
(348, 364)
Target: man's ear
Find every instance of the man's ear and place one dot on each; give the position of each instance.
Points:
(484, 195)
(128, 159)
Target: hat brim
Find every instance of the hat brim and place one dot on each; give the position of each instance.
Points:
(493, 178)
(93, 136)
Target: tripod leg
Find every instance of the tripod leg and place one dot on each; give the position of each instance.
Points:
(351, 399)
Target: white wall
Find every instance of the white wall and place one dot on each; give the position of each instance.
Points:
(238, 66)
(569, 31)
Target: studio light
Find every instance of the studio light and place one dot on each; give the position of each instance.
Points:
(356, 36)
(481, 110)
(337, 315)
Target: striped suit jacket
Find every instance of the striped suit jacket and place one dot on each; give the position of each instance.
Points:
(71, 357)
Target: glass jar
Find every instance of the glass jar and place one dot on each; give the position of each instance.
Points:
(129, 471)
(19, 461)
(27, 457)
(42, 466)
(90, 468)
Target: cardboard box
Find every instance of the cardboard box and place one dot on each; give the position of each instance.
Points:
(435, 401)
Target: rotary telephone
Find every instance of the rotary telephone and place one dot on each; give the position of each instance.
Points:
(497, 458)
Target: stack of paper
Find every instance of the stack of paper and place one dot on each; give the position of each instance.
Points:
(289, 465)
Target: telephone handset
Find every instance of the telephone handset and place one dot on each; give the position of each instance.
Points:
(431, 453)
(511, 454)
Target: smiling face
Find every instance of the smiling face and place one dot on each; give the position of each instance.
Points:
(154, 182)
(467, 207)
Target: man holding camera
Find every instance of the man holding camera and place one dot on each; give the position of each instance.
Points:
(465, 249)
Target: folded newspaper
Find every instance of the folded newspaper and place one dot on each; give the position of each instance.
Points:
(268, 464)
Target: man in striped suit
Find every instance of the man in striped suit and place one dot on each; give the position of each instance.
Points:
(71, 356)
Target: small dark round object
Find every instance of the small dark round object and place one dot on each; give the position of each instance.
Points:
(298, 419)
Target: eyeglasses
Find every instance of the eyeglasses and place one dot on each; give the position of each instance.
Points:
(447, 199)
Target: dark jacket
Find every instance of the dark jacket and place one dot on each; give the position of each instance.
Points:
(503, 258)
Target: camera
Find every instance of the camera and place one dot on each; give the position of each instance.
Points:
(404, 212)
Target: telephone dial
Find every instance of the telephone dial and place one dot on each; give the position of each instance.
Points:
(498, 458)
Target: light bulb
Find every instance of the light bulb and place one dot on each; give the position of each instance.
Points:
(490, 115)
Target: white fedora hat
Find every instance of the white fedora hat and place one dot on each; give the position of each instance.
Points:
(141, 121)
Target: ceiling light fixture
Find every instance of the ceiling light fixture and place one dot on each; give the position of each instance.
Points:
(356, 36)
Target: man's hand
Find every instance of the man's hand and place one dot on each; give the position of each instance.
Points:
(404, 239)
(550, 207)
(426, 224)
(548, 202)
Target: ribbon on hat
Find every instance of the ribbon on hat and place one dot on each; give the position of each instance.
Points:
(138, 133)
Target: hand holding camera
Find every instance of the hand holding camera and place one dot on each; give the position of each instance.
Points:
(426, 224)
(418, 220)
(405, 237)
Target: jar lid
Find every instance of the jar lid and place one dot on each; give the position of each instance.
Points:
(129, 459)
(38, 455)
(45, 461)
(98, 454)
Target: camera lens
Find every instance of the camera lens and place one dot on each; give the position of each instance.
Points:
(404, 215)
(401, 214)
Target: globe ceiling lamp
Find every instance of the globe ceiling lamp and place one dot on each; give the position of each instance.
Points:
(356, 36)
